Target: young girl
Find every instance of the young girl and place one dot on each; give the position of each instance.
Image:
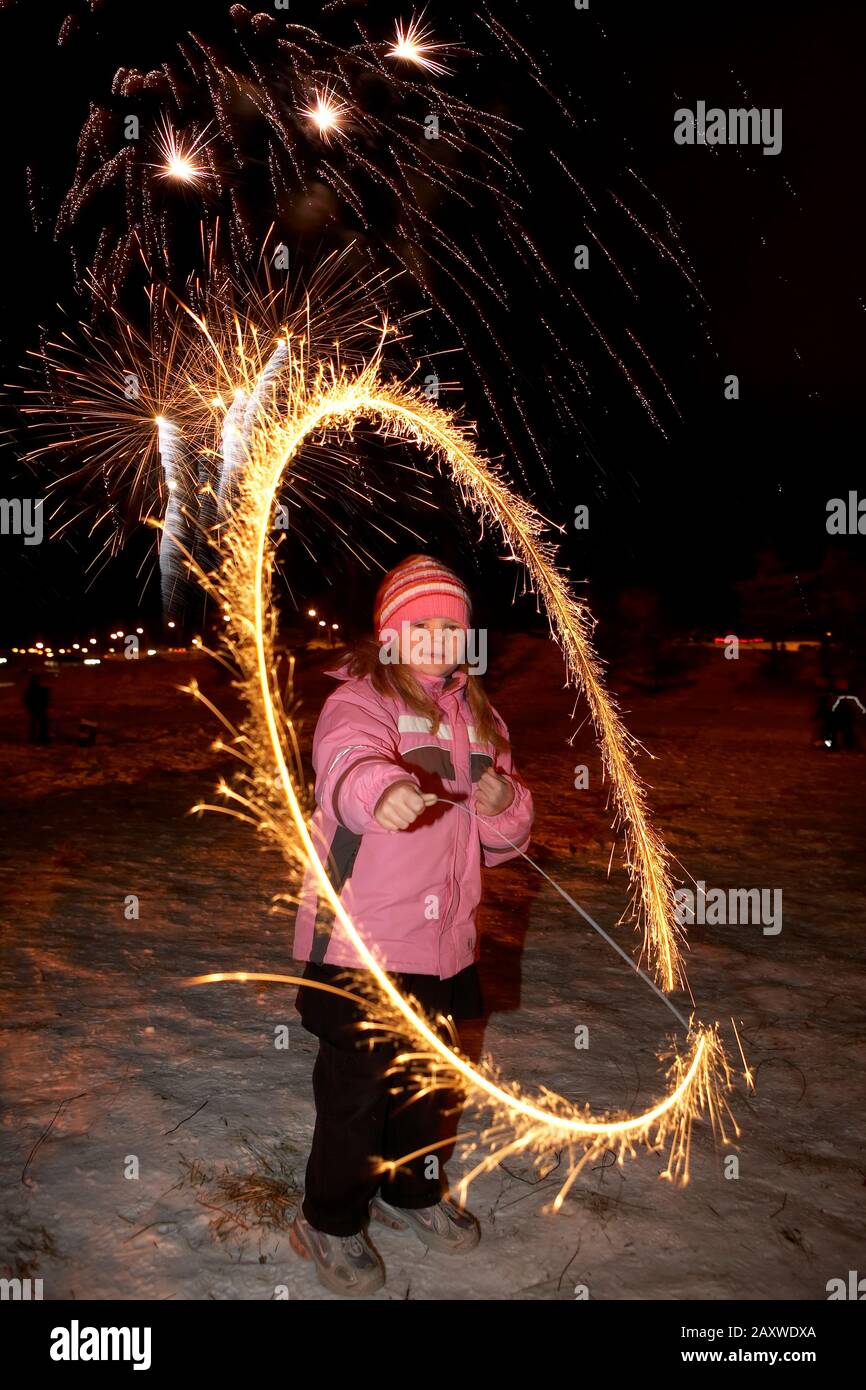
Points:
(408, 723)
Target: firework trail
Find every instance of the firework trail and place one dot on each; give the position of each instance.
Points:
(171, 556)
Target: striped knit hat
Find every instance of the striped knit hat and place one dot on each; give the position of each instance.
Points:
(420, 588)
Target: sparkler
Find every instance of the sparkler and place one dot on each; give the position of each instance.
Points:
(314, 396)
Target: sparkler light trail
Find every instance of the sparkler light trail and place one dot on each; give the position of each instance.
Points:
(314, 396)
(339, 401)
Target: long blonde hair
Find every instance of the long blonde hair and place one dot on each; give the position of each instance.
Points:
(397, 681)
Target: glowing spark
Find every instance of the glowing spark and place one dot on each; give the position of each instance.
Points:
(178, 155)
(327, 114)
(413, 46)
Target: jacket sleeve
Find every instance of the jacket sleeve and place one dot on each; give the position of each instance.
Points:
(515, 822)
(355, 758)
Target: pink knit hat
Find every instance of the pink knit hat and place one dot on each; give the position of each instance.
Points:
(420, 588)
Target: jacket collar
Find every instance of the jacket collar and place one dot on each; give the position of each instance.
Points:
(437, 686)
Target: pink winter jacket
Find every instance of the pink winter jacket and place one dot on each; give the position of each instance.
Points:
(412, 893)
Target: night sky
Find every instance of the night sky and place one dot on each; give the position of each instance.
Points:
(776, 242)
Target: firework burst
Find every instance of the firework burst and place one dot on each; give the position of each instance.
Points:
(346, 135)
(327, 114)
(130, 428)
(413, 43)
(181, 158)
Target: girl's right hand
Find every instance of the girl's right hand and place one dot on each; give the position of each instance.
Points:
(401, 805)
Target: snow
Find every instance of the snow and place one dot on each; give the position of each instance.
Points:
(105, 1055)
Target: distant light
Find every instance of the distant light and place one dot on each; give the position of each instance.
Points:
(335, 626)
(93, 641)
(196, 641)
(311, 612)
(322, 623)
(39, 646)
(92, 661)
(139, 629)
(118, 633)
(828, 742)
(2, 660)
(151, 651)
(171, 624)
(75, 646)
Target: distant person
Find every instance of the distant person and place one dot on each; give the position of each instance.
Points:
(835, 716)
(842, 712)
(37, 698)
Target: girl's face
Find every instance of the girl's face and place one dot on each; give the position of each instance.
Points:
(437, 646)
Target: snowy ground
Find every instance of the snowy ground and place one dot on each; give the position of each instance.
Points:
(105, 1056)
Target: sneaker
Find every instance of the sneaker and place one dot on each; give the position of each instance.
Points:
(344, 1264)
(444, 1226)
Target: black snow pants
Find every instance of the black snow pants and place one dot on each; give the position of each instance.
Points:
(359, 1121)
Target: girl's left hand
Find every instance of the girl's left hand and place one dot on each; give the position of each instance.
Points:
(492, 793)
